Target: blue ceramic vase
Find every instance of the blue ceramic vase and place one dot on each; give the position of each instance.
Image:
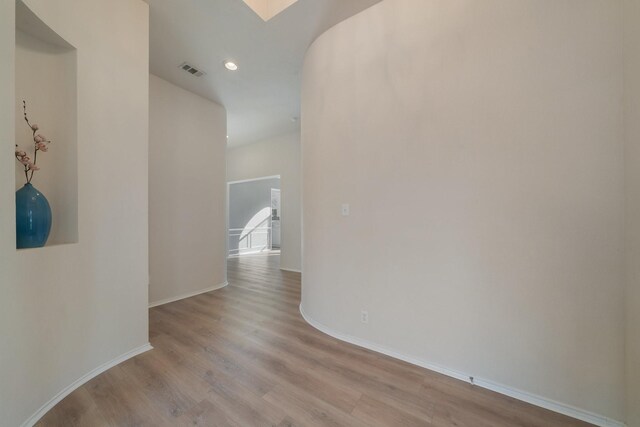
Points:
(33, 218)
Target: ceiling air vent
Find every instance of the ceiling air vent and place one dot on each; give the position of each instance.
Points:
(191, 70)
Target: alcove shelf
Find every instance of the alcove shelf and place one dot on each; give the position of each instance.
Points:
(46, 78)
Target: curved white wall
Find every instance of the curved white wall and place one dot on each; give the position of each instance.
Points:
(67, 310)
(479, 145)
(187, 193)
(632, 158)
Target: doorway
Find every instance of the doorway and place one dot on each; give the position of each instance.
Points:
(254, 216)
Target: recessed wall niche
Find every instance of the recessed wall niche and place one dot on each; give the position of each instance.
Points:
(46, 78)
(268, 9)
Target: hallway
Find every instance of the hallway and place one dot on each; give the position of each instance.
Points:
(243, 356)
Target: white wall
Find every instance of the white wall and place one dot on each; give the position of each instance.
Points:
(632, 157)
(275, 156)
(65, 310)
(187, 192)
(479, 145)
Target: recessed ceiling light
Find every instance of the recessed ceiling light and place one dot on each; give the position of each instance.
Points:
(231, 66)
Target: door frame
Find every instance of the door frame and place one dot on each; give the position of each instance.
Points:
(242, 181)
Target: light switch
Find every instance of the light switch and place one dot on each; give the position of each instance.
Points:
(345, 209)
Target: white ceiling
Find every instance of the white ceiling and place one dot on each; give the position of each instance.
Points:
(263, 96)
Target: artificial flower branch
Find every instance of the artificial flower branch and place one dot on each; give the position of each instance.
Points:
(40, 143)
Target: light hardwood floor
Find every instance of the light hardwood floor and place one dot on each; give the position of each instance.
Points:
(243, 356)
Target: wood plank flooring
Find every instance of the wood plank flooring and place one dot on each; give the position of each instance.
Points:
(243, 356)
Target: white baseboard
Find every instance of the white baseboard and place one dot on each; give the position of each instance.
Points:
(524, 396)
(188, 295)
(33, 419)
(293, 270)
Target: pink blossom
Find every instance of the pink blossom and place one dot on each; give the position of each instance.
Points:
(41, 144)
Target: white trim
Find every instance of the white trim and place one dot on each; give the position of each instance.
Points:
(257, 228)
(33, 419)
(291, 269)
(524, 396)
(188, 295)
(264, 252)
(253, 179)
